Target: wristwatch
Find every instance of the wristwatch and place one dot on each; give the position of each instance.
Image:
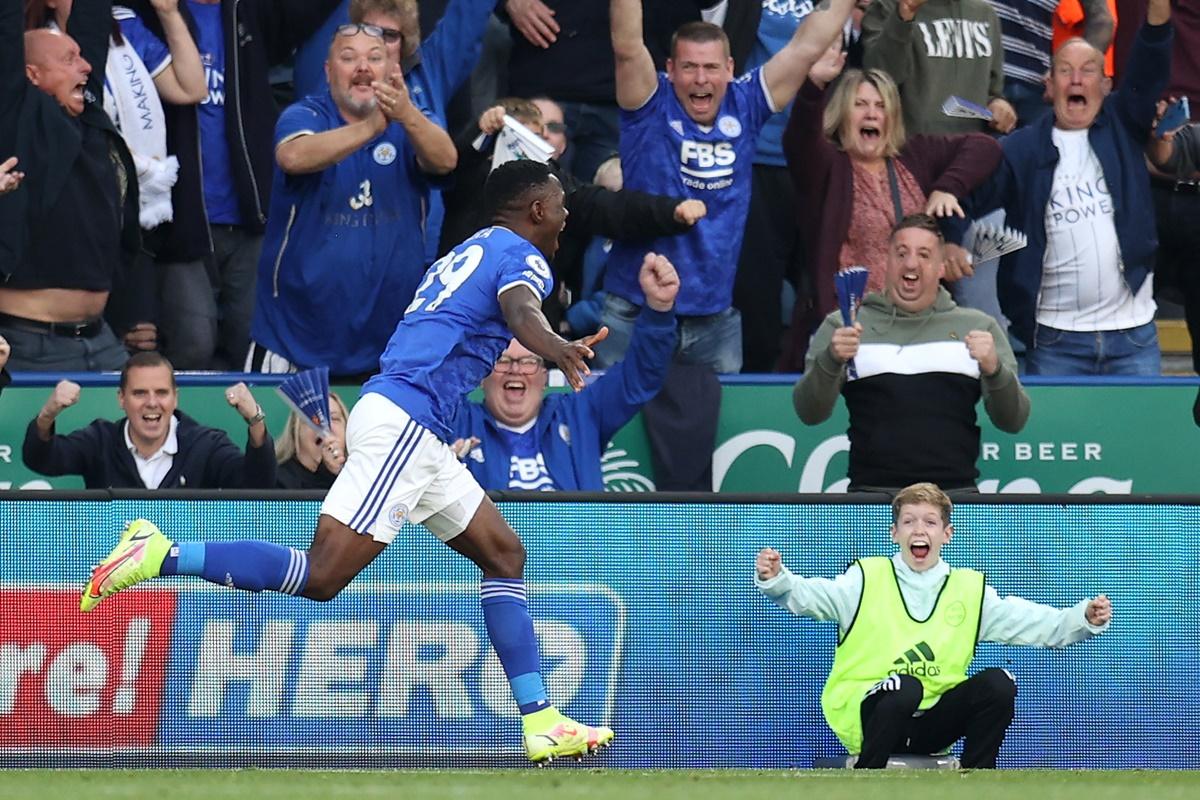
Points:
(259, 416)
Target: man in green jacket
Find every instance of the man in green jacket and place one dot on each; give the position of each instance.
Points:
(921, 365)
(907, 630)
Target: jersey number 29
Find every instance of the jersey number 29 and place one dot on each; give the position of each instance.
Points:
(450, 271)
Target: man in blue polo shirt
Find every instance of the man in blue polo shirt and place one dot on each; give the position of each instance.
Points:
(692, 132)
(343, 250)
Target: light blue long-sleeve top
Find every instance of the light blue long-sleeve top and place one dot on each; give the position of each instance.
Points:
(1009, 620)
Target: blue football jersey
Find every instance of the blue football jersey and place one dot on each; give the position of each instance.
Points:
(453, 331)
(664, 151)
(342, 252)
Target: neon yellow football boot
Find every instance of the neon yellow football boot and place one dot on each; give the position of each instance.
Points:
(549, 735)
(137, 557)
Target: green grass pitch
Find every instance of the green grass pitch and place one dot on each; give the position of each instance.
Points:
(595, 784)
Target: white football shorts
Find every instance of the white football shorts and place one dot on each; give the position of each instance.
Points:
(397, 470)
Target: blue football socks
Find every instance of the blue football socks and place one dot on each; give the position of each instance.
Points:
(248, 565)
(510, 628)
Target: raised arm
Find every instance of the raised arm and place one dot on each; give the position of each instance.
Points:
(816, 393)
(1015, 620)
(636, 76)
(13, 84)
(1158, 12)
(183, 82)
(628, 385)
(1098, 24)
(788, 68)
(1147, 70)
(90, 25)
(1004, 398)
(306, 153)
(816, 598)
(887, 32)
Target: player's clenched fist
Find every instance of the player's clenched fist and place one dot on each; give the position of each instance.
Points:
(659, 281)
(767, 563)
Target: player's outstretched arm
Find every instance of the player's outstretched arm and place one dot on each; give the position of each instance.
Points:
(787, 69)
(523, 314)
(636, 77)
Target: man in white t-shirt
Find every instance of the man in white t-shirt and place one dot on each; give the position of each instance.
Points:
(1080, 296)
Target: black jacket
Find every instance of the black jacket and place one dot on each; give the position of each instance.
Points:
(294, 475)
(258, 34)
(35, 128)
(207, 458)
(594, 211)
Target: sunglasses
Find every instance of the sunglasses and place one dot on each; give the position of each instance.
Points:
(389, 35)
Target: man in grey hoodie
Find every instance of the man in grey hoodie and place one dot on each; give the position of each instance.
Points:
(920, 361)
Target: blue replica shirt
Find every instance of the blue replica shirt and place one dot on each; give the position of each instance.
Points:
(453, 331)
(526, 464)
(342, 252)
(779, 21)
(152, 50)
(220, 190)
(663, 151)
(447, 57)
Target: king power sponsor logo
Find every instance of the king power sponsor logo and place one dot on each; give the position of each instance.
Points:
(817, 474)
(400, 667)
(74, 680)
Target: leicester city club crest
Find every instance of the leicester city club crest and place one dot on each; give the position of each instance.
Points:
(384, 153)
(729, 126)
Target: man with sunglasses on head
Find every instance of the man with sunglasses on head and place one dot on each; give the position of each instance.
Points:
(434, 68)
(343, 248)
(521, 438)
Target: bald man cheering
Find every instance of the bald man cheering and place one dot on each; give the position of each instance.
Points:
(79, 178)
